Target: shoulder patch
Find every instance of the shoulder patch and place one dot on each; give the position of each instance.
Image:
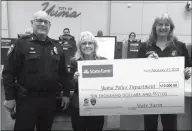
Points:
(10, 49)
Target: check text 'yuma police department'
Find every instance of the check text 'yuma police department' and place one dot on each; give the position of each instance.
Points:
(93, 71)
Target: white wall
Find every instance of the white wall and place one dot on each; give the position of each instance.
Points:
(94, 17)
(140, 17)
(4, 22)
(113, 17)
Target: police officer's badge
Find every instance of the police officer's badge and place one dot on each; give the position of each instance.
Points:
(10, 49)
(60, 42)
(55, 50)
(65, 43)
(174, 53)
(31, 48)
(93, 101)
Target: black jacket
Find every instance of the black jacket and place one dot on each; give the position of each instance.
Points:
(73, 68)
(174, 49)
(35, 65)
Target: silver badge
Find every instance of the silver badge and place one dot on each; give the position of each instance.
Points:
(55, 50)
(31, 48)
(66, 43)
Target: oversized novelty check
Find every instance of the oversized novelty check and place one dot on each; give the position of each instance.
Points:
(131, 86)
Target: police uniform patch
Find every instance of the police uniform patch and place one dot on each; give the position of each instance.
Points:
(10, 49)
(174, 53)
(55, 50)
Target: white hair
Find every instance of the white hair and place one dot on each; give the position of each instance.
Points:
(41, 14)
(85, 36)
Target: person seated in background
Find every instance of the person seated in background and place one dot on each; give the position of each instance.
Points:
(86, 50)
(66, 35)
(132, 44)
(100, 33)
(132, 37)
(28, 31)
(68, 44)
(162, 43)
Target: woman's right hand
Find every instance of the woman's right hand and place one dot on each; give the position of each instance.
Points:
(152, 54)
(76, 75)
(187, 73)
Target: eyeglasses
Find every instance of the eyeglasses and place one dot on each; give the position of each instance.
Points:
(40, 21)
(66, 32)
(87, 43)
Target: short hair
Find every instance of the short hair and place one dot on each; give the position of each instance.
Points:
(36, 14)
(66, 29)
(131, 34)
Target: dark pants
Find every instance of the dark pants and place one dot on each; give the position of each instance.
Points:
(169, 122)
(35, 111)
(85, 123)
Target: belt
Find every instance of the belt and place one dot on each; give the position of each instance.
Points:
(40, 94)
(43, 92)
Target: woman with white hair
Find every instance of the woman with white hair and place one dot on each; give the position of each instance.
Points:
(86, 50)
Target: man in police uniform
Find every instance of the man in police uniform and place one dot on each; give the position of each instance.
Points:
(36, 64)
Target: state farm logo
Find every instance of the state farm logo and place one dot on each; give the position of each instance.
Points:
(94, 71)
(85, 72)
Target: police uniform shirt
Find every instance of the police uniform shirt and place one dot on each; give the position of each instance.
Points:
(35, 65)
(174, 49)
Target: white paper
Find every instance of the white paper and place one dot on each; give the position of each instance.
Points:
(106, 47)
(131, 86)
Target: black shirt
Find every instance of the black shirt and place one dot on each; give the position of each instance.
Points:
(174, 49)
(73, 68)
(36, 65)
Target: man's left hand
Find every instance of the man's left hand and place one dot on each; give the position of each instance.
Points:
(65, 102)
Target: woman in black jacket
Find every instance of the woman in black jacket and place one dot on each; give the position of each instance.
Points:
(162, 43)
(86, 50)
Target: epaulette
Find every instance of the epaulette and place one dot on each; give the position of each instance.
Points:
(21, 36)
(53, 40)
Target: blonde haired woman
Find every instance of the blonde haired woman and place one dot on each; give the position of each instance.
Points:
(86, 50)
